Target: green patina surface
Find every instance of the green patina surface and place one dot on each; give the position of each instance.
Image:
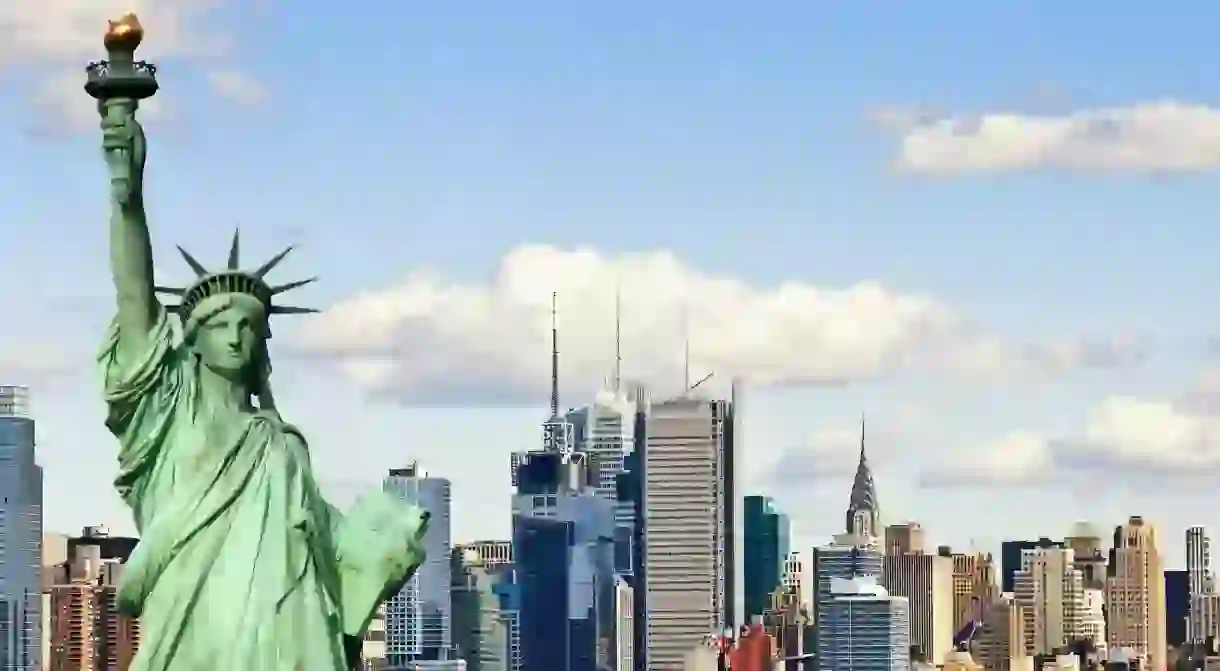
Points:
(242, 565)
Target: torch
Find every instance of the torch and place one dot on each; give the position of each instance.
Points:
(120, 82)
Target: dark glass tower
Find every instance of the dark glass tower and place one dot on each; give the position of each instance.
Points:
(1177, 606)
(766, 546)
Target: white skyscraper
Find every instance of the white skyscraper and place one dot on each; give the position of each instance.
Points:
(605, 432)
(693, 527)
(20, 536)
(418, 620)
(1198, 580)
(1050, 589)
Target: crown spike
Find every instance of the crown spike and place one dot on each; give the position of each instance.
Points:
(235, 250)
(289, 310)
(190, 261)
(292, 285)
(175, 291)
(275, 261)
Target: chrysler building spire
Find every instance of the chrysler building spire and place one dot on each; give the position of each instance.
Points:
(863, 512)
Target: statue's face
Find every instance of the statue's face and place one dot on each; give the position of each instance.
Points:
(228, 341)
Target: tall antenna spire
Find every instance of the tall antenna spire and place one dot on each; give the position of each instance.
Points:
(685, 349)
(554, 356)
(861, 437)
(618, 338)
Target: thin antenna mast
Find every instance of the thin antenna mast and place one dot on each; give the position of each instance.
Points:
(685, 349)
(554, 356)
(618, 338)
(861, 436)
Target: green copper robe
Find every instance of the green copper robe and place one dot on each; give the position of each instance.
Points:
(240, 564)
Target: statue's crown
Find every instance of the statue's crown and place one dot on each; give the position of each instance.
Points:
(233, 280)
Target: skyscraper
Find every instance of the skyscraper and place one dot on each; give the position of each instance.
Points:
(1177, 606)
(863, 515)
(926, 580)
(624, 626)
(563, 535)
(692, 531)
(605, 431)
(766, 545)
(974, 586)
(1199, 580)
(1011, 558)
(481, 631)
(418, 618)
(1050, 589)
(1135, 593)
(903, 538)
(87, 633)
(1090, 555)
(845, 558)
(862, 628)
(20, 535)
(1001, 641)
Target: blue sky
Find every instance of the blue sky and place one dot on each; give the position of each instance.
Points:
(778, 144)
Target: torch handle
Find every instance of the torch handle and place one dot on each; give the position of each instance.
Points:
(119, 111)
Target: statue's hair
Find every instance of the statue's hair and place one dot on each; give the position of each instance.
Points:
(194, 306)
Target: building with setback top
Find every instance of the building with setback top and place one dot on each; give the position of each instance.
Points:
(418, 617)
(20, 535)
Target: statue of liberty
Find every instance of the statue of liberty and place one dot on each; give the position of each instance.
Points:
(241, 565)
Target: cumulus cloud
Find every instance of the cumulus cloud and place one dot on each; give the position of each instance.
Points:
(1162, 136)
(1019, 458)
(828, 453)
(58, 37)
(430, 339)
(1120, 435)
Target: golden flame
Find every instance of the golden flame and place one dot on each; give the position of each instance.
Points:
(124, 34)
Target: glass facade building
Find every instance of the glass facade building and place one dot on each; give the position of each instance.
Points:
(482, 630)
(862, 628)
(20, 536)
(767, 533)
(563, 556)
(844, 560)
(418, 618)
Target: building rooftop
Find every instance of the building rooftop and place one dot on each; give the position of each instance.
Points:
(14, 401)
(859, 586)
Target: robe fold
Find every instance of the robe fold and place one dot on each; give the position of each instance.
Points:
(241, 564)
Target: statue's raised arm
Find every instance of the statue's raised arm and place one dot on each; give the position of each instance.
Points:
(119, 83)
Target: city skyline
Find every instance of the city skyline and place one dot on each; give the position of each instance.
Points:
(993, 242)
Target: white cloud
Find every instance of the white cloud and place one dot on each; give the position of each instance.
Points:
(1119, 435)
(430, 338)
(66, 31)
(1019, 458)
(1165, 136)
(1145, 434)
(61, 36)
(828, 453)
